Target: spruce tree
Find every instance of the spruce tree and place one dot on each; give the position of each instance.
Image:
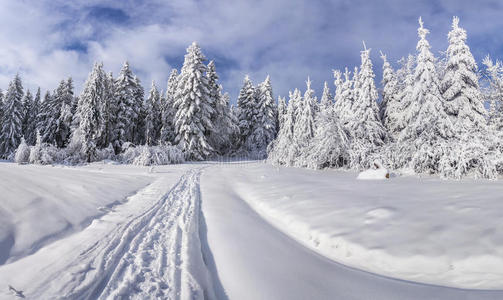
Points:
(12, 125)
(247, 107)
(460, 87)
(390, 105)
(305, 127)
(88, 110)
(326, 102)
(428, 127)
(127, 110)
(151, 120)
(168, 110)
(31, 128)
(193, 107)
(28, 110)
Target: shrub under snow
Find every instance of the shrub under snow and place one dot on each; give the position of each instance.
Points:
(22, 155)
(152, 155)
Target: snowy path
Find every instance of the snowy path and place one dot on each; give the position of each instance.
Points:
(156, 254)
(254, 260)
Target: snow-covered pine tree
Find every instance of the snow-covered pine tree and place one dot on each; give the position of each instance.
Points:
(494, 93)
(460, 87)
(64, 98)
(1, 107)
(247, 108)
(281, 111)
(219, 137)
(390, 104)
(88, 110)
(108, 110)
(151, 120)
(127, 110)
(326, 102)
(330, 146)
(31, 128)
(366, 129)
(264, 129)
(193, 107)
(283, 150)
(28, 110)
(168, 111)
(344, 97)
(139, 96)
(428, 127)
(12, 125)
(305, 126)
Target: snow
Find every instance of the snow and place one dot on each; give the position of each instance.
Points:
(374, 174)
(41, 204)
(419, 229)
(245, 230)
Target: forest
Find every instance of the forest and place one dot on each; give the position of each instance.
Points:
(432, 115)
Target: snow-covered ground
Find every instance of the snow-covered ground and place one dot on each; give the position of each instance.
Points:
(253, 238)
(420, 229)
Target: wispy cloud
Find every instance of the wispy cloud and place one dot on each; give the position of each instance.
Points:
(48, 40)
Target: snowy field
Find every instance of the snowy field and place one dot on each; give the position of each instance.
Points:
(245, 231)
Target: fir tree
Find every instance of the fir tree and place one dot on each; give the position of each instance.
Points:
(89, 112)
(305, 121)
(12, 125)
(167, 109)
(31, 128)
(151, 119)
(428, 127)
(326, 102)
(390, 105)
(460, 87)
(127, 110)
(193, 107)
(247, 107)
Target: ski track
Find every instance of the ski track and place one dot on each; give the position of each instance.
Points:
(150, 256)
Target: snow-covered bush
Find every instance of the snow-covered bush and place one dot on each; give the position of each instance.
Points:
(152, 155)
(22, 154)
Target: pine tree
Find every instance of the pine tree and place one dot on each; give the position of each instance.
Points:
(305, 127)
(326, 102)
(1, 107)
(247, 107)
(127, 110)
(12, 126)
(284, 150)
(344, 97)
(264, 126)
(281, 111)
(151, 120)
(89, 112)
(390, 105)
(460, 88)
(428, 126)
(365, 126)
(193, 107)
(63, 99)
(31, 127)
(139, 126)
(108, 110)
(28, 108)
(168, 111)
(495, 93)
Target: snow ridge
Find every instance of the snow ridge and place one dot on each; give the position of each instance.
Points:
(156, 254)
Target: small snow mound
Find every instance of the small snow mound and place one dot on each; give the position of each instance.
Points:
(378, 172)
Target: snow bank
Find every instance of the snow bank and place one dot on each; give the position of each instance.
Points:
(40, 203)
(420, 229)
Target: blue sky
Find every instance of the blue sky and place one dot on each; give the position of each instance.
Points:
(46, 41)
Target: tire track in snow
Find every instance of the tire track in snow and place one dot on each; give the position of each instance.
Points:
(154, 255)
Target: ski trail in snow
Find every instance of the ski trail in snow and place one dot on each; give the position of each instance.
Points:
(154, 255)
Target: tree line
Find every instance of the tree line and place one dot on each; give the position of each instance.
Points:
(432, 115)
